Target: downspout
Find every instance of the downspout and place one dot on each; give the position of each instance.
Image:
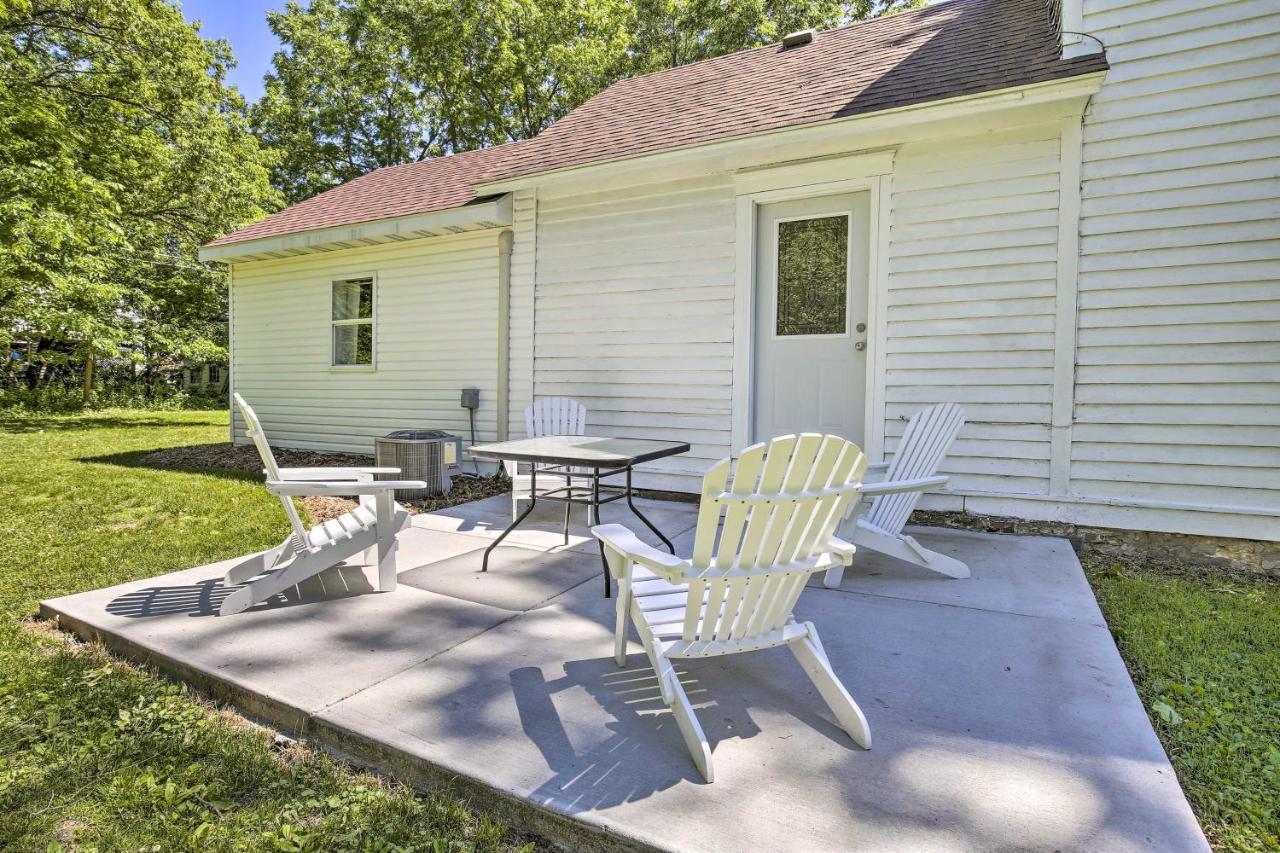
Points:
(505, 240)
(231, 350)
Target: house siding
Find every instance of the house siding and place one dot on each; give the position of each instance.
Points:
(1178, 361)
(970, 307)
(634, 315)
(436, 332)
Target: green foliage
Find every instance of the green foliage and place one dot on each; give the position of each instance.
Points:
(95, 754)
(362, 84)
(121, 151)
(1205, 657)
(52, 398)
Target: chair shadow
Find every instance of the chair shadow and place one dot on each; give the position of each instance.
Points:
(204, 598)
(643, 751)
(136, 459)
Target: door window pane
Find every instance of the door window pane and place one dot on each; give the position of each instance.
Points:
(813, 276)
(353, 344)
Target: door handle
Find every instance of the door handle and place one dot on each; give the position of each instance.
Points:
(860, 346)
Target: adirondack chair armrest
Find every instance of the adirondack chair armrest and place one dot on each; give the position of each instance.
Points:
(626, 543)
(878, 466)
(842, 549)
(872, 490)
(339, 488)
(333, 474)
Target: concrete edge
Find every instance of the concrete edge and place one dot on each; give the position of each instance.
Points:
(426, 777)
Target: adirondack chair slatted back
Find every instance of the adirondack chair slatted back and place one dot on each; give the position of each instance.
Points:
(253, 428)
(555, 416)
(924, 445)
(781, 510)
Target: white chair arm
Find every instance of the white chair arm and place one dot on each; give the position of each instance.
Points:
(842, 549)
(872, 490)
(333, 474)
(878, 466)
(622, 540)
(340, 488)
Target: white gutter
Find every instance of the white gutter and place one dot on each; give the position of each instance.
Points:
(495, 213)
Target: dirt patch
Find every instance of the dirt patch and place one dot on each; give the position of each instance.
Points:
(244, 457)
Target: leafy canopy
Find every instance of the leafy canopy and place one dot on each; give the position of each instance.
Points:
(361, 84)
(121, 151)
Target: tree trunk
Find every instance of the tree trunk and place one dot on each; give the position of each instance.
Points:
(86, 390)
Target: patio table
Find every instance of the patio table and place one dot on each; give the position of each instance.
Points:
(579, 457)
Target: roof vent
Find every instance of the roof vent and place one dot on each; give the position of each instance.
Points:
(797, 39)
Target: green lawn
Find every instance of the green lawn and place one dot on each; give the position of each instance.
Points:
(94, 753)
(1205, 655)
(98, 754)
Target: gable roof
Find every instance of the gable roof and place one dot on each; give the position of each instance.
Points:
(436, 184)
(963, 47)
(952, 49)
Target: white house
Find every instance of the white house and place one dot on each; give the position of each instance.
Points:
(971, 202)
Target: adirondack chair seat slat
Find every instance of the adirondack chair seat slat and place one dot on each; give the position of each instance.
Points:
(757, 542)
(370, 527)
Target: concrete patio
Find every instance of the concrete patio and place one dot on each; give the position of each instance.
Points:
(1002, 714)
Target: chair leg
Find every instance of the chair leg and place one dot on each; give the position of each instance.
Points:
(387, 544)
(256, 564)
(808, 650)
(694, 738)
(290, 573)
(833, 577)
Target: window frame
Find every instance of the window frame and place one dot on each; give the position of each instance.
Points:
(848, 274)
(213, 374)
(371, 321)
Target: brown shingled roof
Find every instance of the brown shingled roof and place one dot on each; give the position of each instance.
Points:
(436, 184)
(961, 47)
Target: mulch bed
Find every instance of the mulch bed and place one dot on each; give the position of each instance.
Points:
(244, 457)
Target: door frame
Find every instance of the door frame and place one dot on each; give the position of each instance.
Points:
(871, 173)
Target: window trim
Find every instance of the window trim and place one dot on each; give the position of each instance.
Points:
(371, 321)
(848, 274)
(213, 374)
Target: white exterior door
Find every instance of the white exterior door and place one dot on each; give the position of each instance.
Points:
(810, 356)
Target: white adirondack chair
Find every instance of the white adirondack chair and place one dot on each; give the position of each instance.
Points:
(371, 527)
(888, 502)
(737, 591)
(546, 416)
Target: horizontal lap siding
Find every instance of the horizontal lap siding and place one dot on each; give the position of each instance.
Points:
(1178, 366)
(436, 328)
(634, 315)
(970, 306)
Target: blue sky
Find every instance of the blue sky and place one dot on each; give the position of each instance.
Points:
(244, 24)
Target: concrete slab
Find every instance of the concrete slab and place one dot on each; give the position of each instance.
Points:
(1001, 713)
(1030, 575)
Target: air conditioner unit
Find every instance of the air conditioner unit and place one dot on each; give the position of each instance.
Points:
(431, 455)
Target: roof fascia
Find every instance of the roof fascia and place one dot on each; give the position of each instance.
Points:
(495, 213)
(743, 148)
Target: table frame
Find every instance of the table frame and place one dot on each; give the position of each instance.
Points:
(584, 495)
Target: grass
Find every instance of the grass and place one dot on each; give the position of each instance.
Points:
(1204, 653)
(98, 754)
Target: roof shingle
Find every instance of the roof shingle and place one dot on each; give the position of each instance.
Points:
(962, 47)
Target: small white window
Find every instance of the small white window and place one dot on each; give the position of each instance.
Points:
(215, 373)
(352, 322)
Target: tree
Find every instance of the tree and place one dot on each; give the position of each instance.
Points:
(361, 84)
(121, 151)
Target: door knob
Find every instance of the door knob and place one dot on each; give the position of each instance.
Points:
(860, 346)
(861, 327)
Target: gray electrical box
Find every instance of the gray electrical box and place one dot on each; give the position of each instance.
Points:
(470, 398)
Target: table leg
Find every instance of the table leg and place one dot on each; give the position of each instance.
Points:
(647, 522)
(533, 499)
(566, 520)
(595, 512)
